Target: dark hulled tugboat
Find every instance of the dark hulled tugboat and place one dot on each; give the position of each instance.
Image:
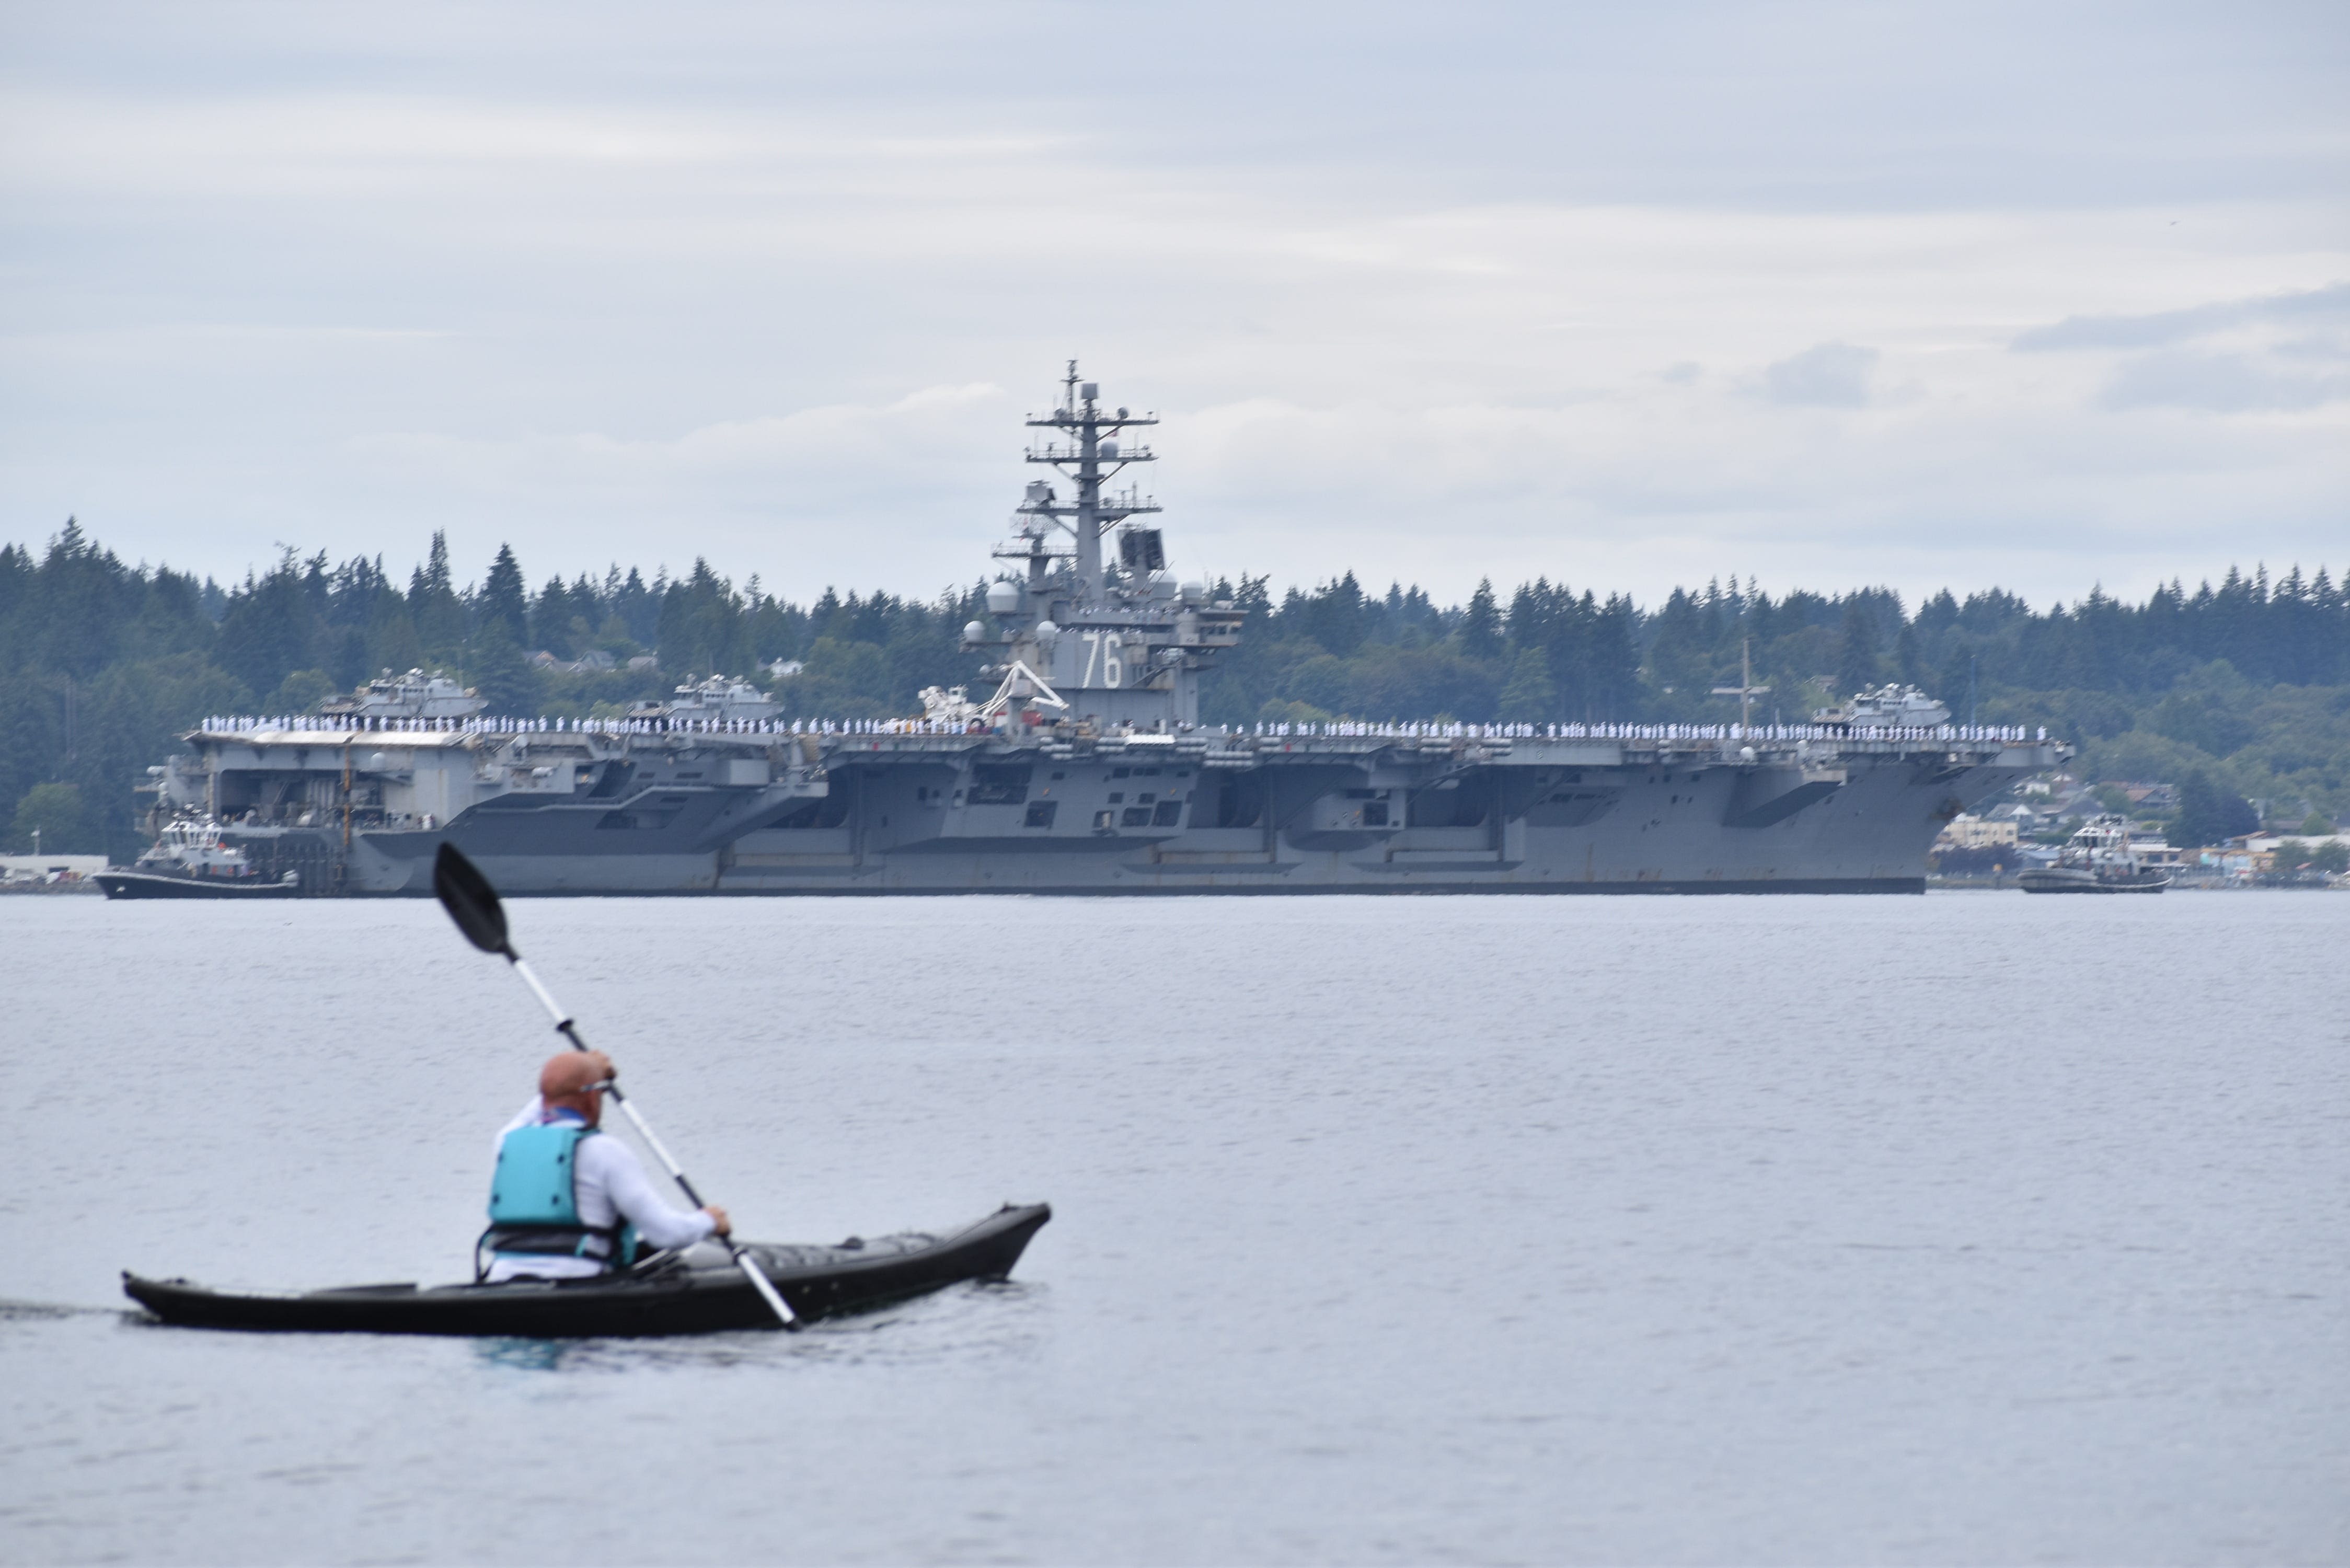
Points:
(188, 860)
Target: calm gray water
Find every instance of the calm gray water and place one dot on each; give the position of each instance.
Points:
(1969, 1227)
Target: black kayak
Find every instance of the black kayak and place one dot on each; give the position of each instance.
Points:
(696, 1292)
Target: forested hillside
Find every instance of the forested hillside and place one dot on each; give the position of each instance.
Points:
(2245, 685)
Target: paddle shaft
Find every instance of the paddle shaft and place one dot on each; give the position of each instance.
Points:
(569, 1031)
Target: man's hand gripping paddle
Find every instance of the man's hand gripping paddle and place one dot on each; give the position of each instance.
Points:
(473, 904)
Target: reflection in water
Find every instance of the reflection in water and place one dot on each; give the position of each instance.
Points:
(531, 1355)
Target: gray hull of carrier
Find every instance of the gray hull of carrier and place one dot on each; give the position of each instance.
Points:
(1087, 772)
(949, 814)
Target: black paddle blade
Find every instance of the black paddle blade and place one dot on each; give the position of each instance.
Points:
(469, 899)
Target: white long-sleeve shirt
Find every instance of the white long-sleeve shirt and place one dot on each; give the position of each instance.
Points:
(608, 1184)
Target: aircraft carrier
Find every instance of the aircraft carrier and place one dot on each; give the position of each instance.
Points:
(1085, 770)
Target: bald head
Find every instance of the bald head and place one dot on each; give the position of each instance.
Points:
(563, 1082)
(569, 1074)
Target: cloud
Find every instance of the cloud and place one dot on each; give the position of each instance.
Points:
(2217, 383)
(2169, 327)
(1511, 290)
(809, 464)
(1827, 376)
(2273, 353)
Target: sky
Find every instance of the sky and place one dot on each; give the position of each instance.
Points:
(2045, 296)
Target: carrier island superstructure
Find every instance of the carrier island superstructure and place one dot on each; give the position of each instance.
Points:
(1085, 771)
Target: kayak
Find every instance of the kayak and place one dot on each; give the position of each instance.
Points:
(697, 1291)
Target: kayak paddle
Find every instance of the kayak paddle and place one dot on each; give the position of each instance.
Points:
(473, 904)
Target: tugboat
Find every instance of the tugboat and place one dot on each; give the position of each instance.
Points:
(2099, 858)
(188, 860)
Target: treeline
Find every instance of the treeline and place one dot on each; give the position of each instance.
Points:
(103, 664)
(2242, 689)
(2245, 685)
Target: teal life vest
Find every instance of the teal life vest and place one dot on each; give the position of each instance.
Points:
(535, 1200)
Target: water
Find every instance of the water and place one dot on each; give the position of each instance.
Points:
(1965, 1228)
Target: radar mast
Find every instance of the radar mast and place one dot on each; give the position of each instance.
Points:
(1091, 639)
(1084, 449)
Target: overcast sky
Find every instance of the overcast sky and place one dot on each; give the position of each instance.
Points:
(2039, 296)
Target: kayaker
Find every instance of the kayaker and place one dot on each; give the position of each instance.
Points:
(567, 1202)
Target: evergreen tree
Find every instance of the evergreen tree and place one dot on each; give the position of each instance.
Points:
(1289, 620)
(637, 607)
(1856, 649)
(432, 577)
(1681, 646)
(501, 675)
(700, 627)
(74, 622)
(1906, 658)
(1334, 617)
(434, 609)
(504, 598)
(2209, 814)
(1531, 696)
(555, 625)
(272, 628)
(1480, 627)
(1615, 663)
(391, 643)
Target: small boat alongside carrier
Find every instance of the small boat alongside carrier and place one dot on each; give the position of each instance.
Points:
(2099, 858)
(189, 861)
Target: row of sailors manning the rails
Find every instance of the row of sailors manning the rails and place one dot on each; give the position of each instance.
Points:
(1337, 728)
